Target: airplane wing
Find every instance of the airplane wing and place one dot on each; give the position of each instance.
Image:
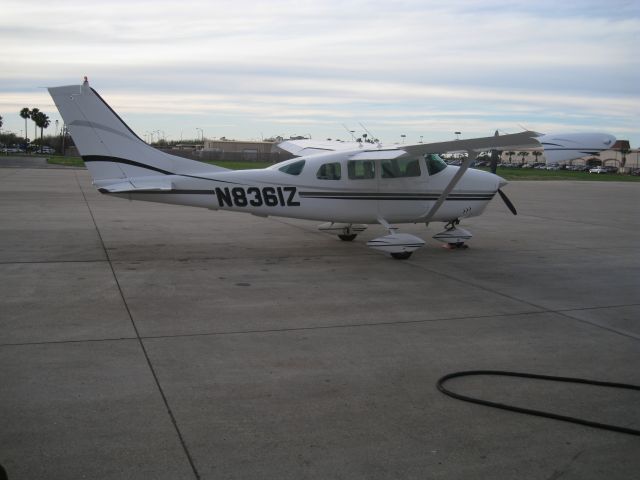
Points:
(526, 139)
(301, 148)
(557, 147)
(382, 154)
(153, 184)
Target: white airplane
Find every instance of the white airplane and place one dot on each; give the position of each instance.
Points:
(345, 185)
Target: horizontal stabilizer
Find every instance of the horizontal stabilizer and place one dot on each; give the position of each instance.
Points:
(156, 184)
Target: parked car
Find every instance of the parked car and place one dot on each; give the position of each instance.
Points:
(635, 172)
(611, 169)
(598, 169)
(553, 166)
(44, 149)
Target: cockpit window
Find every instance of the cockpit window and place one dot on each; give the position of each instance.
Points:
(400, 167)
(294, 168)
(329, 171)
(434, 163)
(361, 169)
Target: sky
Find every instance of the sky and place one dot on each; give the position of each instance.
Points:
(253, 69)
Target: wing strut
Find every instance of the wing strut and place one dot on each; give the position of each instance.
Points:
(473, 155)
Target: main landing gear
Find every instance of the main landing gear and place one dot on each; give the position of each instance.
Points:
(399, 245)
(347, 232)
(401, 255)
(347, 238)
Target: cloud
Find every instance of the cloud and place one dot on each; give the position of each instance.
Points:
(412, 64)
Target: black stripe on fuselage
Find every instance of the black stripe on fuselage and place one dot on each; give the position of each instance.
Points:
(160, 192)
(393, 196)
(104, 158)
(125, 161)
(325, 195)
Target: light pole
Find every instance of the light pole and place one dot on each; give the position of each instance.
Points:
(457, 135)
(201, 135)
(403, 136)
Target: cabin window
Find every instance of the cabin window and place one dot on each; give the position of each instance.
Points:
(400, 168)
(329, 171)
(361, 169)
(434, 163)
(294, 168)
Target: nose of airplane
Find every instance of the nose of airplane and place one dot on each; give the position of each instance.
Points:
(485, 180)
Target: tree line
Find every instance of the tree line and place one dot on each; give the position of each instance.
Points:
(40, 119)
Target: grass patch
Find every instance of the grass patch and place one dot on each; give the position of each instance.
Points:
(506, 173)
(534, 174)
(65, 161)
(77, 162)
(241, 165)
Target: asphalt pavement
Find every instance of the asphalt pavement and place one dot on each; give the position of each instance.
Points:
(142, 340)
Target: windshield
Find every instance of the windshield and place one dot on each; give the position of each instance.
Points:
(434, 163)
(293, 168)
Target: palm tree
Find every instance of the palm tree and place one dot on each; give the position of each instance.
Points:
(524, 154)
(624, 147)
(42, 120)
(536, 153)
(511, 154)
(32, 115)
(0, 121)
(26, 114)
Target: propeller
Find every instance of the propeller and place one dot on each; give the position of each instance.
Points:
(507, 202)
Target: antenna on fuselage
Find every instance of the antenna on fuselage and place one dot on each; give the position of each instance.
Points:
(351, 132)
(372, 137)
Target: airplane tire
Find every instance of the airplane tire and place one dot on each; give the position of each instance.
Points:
(348, 238)
(401, 255)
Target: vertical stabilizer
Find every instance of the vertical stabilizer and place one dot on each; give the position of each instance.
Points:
(110, 149)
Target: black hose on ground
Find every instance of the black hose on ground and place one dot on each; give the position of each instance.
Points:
(539, 413)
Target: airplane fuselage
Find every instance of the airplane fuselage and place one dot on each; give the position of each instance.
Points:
(343, 184)
(363, 191)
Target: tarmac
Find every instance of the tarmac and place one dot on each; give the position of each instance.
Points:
(143, 340)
